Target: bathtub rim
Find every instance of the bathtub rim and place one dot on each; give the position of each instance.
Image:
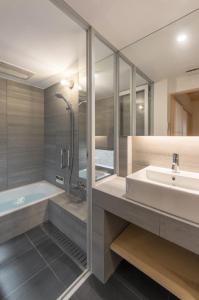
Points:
(62, 191)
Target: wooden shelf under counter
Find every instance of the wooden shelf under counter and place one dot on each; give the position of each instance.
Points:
(172, 266)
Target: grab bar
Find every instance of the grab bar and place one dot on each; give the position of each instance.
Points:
(62, 165)
(68, 159)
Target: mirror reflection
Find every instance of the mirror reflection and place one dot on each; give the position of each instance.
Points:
(142, 105)
(169, 57)
(124, 97)
(104, 110)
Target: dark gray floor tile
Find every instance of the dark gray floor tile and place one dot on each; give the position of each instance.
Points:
(172, 297)
(49, 250)
(126, 283)
(43, 286)
(48, 226)
(140, 284)
(14, 248)
(50, 229)
(95, 290)
(66, 270)
(37, 235)
(16, 272)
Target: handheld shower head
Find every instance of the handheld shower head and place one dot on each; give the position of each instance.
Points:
(60, 96)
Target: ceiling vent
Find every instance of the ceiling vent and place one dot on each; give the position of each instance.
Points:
(13, 71)
(193, 71)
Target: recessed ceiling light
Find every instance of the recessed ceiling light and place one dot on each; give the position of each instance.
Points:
(141, 107)
(181, 38)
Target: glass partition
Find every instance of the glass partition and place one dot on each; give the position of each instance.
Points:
(43, 150)
(104, 110)
(124, 97)
(142, 99)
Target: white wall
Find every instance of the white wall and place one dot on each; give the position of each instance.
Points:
(195, 117)
(186, 83)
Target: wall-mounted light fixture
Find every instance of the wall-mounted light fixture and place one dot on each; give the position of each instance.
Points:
(67, 83)
(141, 107)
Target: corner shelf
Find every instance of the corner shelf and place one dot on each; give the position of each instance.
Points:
(173, 267)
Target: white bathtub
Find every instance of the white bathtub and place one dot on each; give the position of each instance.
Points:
(24, 208)
(18, 198)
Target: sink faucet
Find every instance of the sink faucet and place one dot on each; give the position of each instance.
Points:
(175, 163)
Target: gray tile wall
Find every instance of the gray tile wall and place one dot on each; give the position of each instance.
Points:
(21, 133)
(70, 225)
(104, 123)
(57, 132)
(125, 115)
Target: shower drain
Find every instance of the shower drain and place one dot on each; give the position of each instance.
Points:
(67, 246)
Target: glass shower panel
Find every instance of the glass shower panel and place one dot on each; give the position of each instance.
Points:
(124, 97)
(82, 120)
(104, 110)
(82, 134)
(142, 92)
(47, 134)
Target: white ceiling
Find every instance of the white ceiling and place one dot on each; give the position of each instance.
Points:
(161, 56)
(38, 37)
(123, 22)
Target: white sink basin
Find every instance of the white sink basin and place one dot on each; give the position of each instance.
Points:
(160, 188)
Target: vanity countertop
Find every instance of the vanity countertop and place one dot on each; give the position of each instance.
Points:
(116, 186)
(113, 185)
(109, 196)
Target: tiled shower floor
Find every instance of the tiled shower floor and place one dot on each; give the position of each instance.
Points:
(33, 267)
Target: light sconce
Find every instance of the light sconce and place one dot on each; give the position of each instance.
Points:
(67, 83)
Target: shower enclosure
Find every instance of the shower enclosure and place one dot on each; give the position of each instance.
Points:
(62, 117)
(61, 123)
(43, 148)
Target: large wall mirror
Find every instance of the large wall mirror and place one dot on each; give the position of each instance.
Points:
(169, 57)
(104, 110)
(134, 100)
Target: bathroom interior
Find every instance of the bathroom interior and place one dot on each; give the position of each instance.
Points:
(99, 126)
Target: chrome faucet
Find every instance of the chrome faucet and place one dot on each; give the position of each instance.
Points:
(175, 163)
